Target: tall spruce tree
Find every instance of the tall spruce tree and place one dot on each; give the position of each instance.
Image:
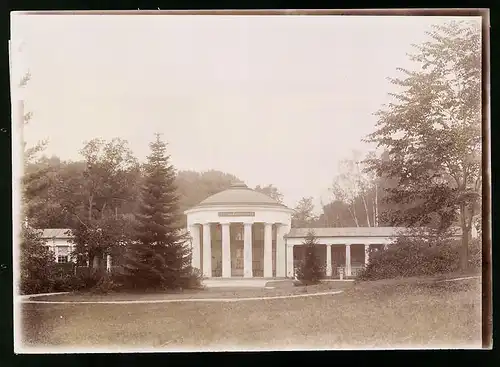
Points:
(159, 258)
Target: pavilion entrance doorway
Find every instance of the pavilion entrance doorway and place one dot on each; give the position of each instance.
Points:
(237, 259)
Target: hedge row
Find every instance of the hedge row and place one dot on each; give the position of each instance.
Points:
(70, 278)
(415, 257)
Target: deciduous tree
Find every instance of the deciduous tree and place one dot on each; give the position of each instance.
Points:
(270, 191)
(303, 215)
(354, 185)
(107, 183)
(193, 187)
(432, 133)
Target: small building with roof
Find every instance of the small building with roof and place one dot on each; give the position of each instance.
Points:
(59, 242)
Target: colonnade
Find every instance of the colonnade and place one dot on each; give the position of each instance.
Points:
(348, 264)
(197, 254)
(329, 268)
(285, 267)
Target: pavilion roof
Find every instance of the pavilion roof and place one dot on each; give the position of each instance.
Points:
(348, 232)
(239, 194)
(55, 233)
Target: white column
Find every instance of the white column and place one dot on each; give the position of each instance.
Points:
(226, 251)
(268, 250)
(290, 271)
(72, 253)
(281, 230)
(207, 251)
(247, 251)
(108, 263)
(348, 259)
(56, 251)
(194, 230)
(328, 260)
(367, 253)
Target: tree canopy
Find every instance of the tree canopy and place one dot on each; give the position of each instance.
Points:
(303, 215)
(159, 257)
(271, 191)
(432, 133)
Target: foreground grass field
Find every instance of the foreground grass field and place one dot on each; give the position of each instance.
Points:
(278, 289)
(383, 314)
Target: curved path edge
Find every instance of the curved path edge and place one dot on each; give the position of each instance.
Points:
(28, 296)
(458, 279)
(177, 300)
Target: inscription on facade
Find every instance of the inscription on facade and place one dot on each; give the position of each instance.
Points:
(236, 214)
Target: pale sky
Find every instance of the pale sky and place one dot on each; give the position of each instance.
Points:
(270, 99)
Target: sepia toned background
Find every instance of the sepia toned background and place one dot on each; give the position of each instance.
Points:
(269, 99)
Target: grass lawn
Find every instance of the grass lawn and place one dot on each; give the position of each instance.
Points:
(391, 314)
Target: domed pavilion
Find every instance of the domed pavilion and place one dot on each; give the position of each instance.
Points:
(240, 232)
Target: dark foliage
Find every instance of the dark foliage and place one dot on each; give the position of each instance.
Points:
(432, 134)
(36, 265)
(159, 258)
(310, 271)
(409, 257)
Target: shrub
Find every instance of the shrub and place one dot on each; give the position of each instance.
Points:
(63, 283)
(57, 277)
(88, 280)
(476, 254)
(64, 268)
(36, 260)
(82, 271)
(413, 257)
(63, 277)
(105, 284)
(31, 285)
(309, 270)
(192, 280)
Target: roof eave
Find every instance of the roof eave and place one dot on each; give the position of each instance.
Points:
(225, 205)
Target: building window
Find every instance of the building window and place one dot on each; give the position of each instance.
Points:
(62, 259)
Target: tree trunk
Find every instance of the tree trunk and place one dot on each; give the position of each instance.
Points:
(376, 205)
(353, 214)
(366, 210)
(464, 260)
(95, 263)
(465, 250)
(102, 210)
(374, 219)
(91, 203)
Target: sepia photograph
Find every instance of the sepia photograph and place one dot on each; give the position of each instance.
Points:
(217, 181)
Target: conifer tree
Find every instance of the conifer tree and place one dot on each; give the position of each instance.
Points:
(159, 258)
(310, 270)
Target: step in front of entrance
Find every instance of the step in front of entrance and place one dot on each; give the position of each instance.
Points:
(238, 283)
